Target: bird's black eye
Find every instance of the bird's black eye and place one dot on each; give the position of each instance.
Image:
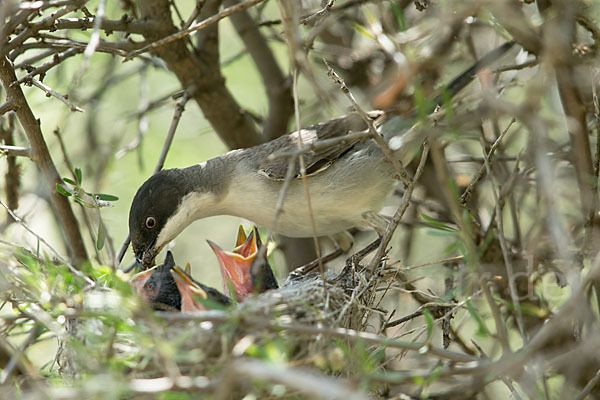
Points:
(150, 222)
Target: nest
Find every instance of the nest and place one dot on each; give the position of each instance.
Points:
(296, 318)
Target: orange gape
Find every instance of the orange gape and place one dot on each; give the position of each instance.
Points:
(236, 265)
(190, 292)
(242, 269)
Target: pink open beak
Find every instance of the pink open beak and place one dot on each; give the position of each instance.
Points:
(236, 264)
(190, 292)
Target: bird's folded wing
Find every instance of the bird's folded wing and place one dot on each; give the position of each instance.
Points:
(316, 159)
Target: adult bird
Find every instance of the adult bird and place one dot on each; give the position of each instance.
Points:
(348, 183)
(166, 287)
(348, 178)
(245, 269)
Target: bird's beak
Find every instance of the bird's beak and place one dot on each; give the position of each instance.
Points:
(235, 268)
(241, 237)
(138, 261)
(236, 264)
(189, 291)
(145, 258)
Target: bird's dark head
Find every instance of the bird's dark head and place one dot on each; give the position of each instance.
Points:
(157, 286)
(151, 224)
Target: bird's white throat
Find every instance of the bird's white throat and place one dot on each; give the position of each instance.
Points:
(193, 206)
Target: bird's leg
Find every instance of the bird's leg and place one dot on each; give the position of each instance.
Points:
(343, 241)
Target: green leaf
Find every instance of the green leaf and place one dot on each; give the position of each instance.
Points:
(231, 291)
(69, 181)
(453, 247)
(399, 15)
(440, 233)
(361, 29)
(83, 202)
(62, 190)
(447, 102)
(482, 328)
(422, 104)
(429, 320)
(210, 304)
(78, 175)
(434, 223)
(105, 197)
(101, 238)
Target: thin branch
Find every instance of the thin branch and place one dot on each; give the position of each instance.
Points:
(16, 151)
(507, 261)
(56, 60)
(427, 264)
(194, 28)
(50, 92)
(33, 28)
(516, 67)
(393, 224)
(94, 39)
(179, 108)
(53, 42)
(317, 15)
(125, 24)
(589, 387)
(303, 173)
(7, 106)
(27, 63)
(373, 133)
(468, 192)
(589, 25)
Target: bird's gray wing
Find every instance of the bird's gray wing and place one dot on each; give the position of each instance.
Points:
(316, 159)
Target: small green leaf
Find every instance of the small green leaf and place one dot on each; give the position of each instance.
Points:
(361, 29)
(447, 102)
(399, 15)
(210, 304)
(434, 223)
(62, 190)
(420, 103)
(83, 202)
(78, 175)
(429, 321)
(101, 238)
(69, 181)
(105, 197)
(231, 291)
(453, 247)
(482, 328)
